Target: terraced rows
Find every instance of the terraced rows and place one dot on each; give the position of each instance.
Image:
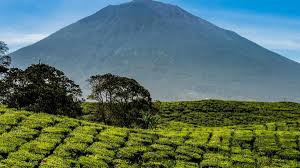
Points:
(42, 140)
(212, 113)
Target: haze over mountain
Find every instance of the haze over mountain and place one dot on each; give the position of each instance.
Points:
(176, 55)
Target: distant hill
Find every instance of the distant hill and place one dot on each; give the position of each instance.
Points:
(176, 55)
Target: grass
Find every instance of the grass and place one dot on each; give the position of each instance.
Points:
(190, 134)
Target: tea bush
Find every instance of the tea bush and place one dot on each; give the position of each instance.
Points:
(42, 140)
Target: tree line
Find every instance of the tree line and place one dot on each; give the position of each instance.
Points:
(40, 87)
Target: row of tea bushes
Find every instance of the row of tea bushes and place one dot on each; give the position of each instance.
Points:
(42, 140)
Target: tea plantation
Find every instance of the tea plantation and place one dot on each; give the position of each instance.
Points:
(190, 134)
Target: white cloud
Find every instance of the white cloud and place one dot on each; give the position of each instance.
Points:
(18, 40)
(277, 43)
(274, 39)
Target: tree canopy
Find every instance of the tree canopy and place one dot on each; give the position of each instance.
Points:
(4, 64)
(121, 100)
(42, 88)
(5, 60)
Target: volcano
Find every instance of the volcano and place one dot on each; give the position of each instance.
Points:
(176, 55)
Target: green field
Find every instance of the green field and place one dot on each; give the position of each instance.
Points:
(189, 134)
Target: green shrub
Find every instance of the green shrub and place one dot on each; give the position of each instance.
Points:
(183, 157)
(242, 158)
(290, 154)
(184, 164)
(158, 164)
(24, 155)
(285, 163)
(24, 132)
(263, 161)
(215, 160)
(219, 140)
(65, 122)
(11, 118)
(139, 139)
(236, 149)
(243, 135)
(70, 150)
(265, 143)
(91, 161)
(4, 128)
(199, 140)
(158, 155)
(161, 147)
(101, 152)
(89, 130)
(281, 126)
(287, 140)
(56, 130)
(119, 163)
(51, 138)
(9, 143)
(98, 145)
(190, 151)
(121, 132)
(171, 141)
(18, 164)
(112, 140)
(38, 121)
(55, 161)
(39, 147)
(79, 138)
(132, 152)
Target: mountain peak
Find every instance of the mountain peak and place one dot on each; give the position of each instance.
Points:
(163, 10)
(142, 1)
(145, 11)
(147, 2)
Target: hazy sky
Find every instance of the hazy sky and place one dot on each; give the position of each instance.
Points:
(274, 24)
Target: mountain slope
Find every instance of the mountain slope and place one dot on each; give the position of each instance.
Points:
(173, 53)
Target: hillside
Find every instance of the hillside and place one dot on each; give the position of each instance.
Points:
(176, 55)
(41, 140)
(216, 113)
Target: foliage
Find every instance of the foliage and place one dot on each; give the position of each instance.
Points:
(227, 113)
(5, 60)
(29, 139)
(42, 88)
(121, 101)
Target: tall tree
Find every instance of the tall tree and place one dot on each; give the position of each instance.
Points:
(5, 60)
(42, 88)
(4, 64)
(121, 101)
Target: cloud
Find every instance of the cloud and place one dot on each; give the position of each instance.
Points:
(277, 43)
(274, 39)
(17, 40)
(286, 43)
